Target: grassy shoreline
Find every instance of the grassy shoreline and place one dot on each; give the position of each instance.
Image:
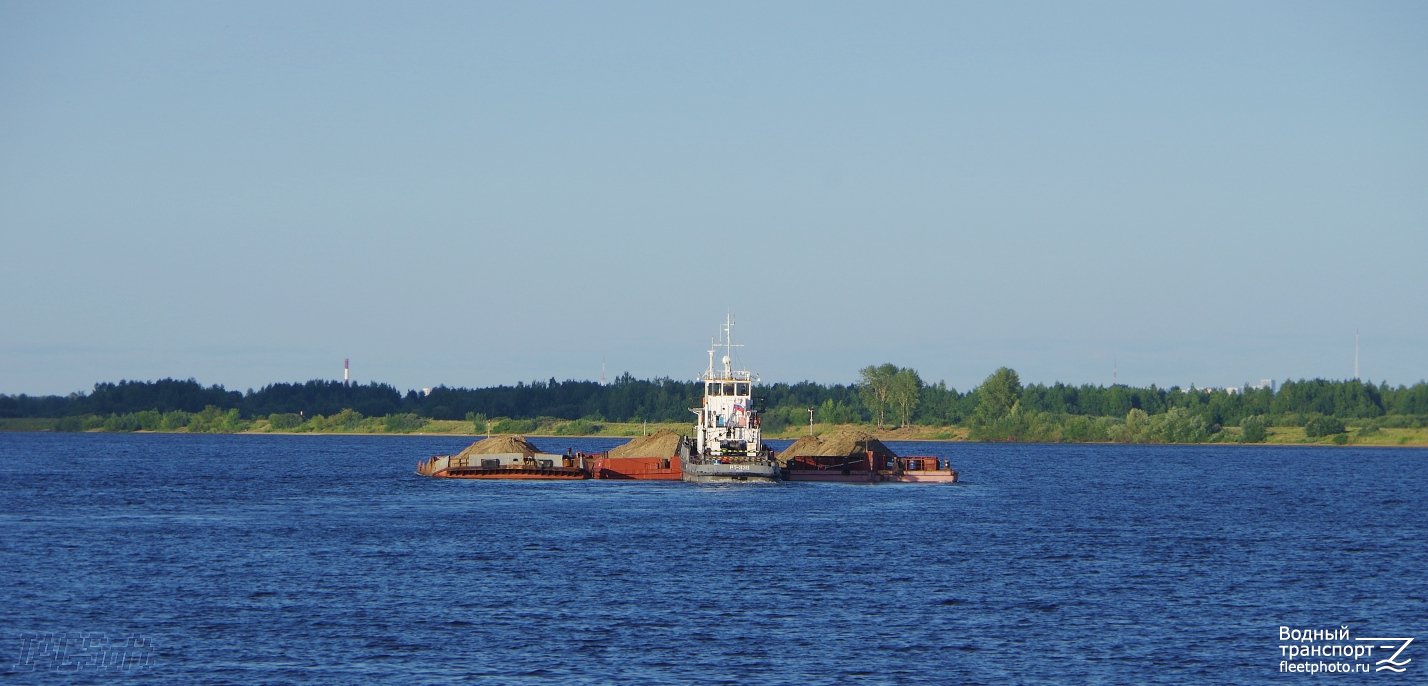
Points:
(1277, 435)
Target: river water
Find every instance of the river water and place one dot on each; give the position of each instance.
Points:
(324, 559)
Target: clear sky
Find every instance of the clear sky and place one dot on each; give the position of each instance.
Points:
(477, 194)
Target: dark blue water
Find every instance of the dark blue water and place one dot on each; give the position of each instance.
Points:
(321, 559)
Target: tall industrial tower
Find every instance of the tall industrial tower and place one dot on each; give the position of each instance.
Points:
(344, 371)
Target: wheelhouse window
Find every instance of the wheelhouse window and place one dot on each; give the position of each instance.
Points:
(728, 389)
(713, 389)
(741, 389)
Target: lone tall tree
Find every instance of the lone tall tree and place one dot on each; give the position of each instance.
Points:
(998, 394)
(905, 394)
(874, 387)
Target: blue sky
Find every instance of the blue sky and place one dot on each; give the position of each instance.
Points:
(477, 194)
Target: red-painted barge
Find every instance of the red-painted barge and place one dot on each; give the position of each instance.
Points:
(868, 469)
(633, 468)
(505, 466)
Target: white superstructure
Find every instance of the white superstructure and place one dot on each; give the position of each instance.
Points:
(728, 423)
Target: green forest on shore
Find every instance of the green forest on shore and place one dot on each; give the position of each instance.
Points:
(886, 399)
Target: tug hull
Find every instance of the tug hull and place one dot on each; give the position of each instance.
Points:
(698, 468)
(727, 473)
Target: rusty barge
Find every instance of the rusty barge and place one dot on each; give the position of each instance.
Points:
(853, 456)
(551, 467)
(866, 470)
(503, 466)
(647, 458)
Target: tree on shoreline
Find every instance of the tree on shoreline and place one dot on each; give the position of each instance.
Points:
(874, 386)
(999, 395)
(905, 393)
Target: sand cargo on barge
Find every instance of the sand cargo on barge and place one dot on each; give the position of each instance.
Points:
(852, 456)
(647, 458)
(505, 457)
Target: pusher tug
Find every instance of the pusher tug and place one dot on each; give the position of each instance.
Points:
(727, 443)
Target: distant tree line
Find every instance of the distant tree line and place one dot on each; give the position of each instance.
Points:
(885, 395)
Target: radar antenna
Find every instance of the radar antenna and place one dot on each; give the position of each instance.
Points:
(729, 345)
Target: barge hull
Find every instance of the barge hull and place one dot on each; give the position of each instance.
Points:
(547, 474)
(835, 469)
(940, 476)
(830, 477)
(635, 469)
